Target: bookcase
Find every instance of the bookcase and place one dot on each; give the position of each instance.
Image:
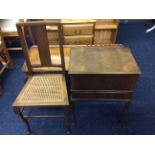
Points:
(80, 31)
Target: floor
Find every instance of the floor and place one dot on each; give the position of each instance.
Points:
(97, 117)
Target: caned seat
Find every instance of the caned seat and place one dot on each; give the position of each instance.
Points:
(43, 90)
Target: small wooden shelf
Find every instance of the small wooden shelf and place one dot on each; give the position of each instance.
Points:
(10, 33)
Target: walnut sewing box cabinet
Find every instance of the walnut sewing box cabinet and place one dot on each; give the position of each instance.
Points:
(108, 73)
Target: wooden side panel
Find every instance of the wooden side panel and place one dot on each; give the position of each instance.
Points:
(103, 82)
(103, 36)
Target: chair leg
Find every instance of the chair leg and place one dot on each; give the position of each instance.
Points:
(25, 121)
(66, 119)
(124, 111)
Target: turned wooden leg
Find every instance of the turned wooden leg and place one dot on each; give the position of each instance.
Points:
(66, 119)
(25, 121)
(1, 90)
(73, 112)
(124, 111)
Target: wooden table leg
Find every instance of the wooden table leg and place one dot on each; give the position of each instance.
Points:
(66, 120)
(25, 121)
(73, 112)
(124, 111)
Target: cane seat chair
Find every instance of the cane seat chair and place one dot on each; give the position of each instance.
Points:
(5, 59)
(42, 89)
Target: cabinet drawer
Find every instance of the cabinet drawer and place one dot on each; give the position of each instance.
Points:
(77, 40)
(103, 82)
(78, 29)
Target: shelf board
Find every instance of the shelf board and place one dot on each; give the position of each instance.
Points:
(10, 34)
(105, 27)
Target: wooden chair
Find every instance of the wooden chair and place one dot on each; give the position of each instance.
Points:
(43, 89)
(5, 59)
